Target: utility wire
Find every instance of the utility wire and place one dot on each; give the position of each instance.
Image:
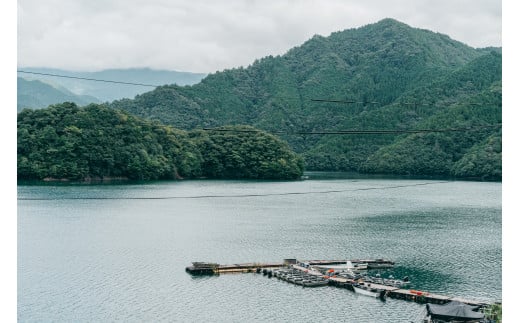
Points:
(275, 97)
(88, 79)
(232, 196)
(359, 132)
(376, 102)
(344, 101)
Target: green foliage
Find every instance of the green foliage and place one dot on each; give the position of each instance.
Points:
(483, 160)
(67, 142)
(455, 153)
(397, 77)
(494, 312)
(244, 152)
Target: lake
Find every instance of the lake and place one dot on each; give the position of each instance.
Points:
(104, 253)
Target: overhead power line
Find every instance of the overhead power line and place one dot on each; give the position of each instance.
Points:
(360, 132)
(274, 97)
(88, 79)
(233, 195)
(344, 101)
(416, 104)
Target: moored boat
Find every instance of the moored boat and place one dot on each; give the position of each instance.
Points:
(315, 283)
(369, 291)
(348, 267)
(395, 282)
(454, 311)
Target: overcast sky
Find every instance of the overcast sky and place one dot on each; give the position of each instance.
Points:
(210, 35)
(206, 36)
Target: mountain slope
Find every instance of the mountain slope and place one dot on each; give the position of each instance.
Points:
(66, 142)
(373, 63)
(385, 75)
(432, 106)
(36, 95)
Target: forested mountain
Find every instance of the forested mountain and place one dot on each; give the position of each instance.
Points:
(383, 76)
(109, 91)
(64, 141)
(34, 94)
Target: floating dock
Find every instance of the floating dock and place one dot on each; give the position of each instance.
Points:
(371, 263)
(206, 268)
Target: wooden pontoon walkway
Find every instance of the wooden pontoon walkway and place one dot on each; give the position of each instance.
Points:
(205, 268)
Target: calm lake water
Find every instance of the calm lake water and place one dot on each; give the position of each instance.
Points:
(104, 253)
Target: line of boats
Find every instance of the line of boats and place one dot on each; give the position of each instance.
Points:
(353, 275)
(316, 276)
(298, 277)
(357, 272)
(390, 281)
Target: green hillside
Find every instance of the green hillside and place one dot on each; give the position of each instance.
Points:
(468, 97)
(383, 76)
(67, 142)
(35, 94)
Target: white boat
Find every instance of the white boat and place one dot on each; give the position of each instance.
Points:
(361, 266)
(395, 282)
(349, 266)
(369, 291)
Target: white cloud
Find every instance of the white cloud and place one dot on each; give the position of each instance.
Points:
(205, 36)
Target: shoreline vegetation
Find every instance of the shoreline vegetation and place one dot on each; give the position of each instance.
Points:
(384, 98)
(306, 175)
(65, 142)
(97, 144)
(385, 77)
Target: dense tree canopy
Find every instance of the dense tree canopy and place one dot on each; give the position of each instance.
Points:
(444, 153)
(388, 76)
(383, 76)
(67, 142)
(244, 152)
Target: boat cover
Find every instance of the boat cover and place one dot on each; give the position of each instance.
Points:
(454, 311)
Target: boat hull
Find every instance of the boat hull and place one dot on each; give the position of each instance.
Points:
(367, 291)
(315, 283)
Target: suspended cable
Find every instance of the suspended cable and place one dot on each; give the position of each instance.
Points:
(274, 97)
(359, 132)
(345, 101)
(375, 102)
(232, 196)
(334, 101)
(88, 79)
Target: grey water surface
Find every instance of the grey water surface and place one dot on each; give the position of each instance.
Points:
(106, 253)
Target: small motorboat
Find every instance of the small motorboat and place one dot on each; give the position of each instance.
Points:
(369, 291)
(315, 282)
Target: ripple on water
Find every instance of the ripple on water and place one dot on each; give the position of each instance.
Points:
(124, 260)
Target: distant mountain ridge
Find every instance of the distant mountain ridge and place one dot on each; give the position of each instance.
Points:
(34, 94)
(109, 91)
(384, 81)
(377, 62)
(386, 76)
